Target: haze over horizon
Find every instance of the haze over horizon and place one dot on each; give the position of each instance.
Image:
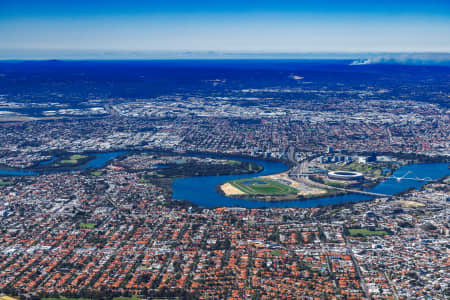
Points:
(117, 29)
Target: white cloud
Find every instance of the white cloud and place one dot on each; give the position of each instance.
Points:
(405, 58)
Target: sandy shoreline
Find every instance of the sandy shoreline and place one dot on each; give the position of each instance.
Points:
(230, 190)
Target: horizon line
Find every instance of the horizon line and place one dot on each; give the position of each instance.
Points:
(357, 57)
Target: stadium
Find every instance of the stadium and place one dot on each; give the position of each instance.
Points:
(345, 175)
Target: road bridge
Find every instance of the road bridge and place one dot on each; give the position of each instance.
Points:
(302, 177)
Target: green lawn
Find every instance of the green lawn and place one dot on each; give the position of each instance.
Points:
(77, 157)
(258, 186)
(87, 225)
(69, 161)
(364, 168)
(275, 253)
(73, 159)
(134, 297)
(335, 183)
(6, 183)
(97, 173)
(366, 232)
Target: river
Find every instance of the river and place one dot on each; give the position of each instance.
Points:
(202, 190)
(100, 160)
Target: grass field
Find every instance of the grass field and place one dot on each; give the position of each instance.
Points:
(335, 183)
(73, 159)
(87, 225)
(364, 168)
(365, 232)
(262, 186)
(6, 183)
(275, 253)
(77, 156)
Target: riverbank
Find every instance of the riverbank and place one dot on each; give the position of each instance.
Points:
(201, 191)
(65, 162)
(187, 189)
(93, 161)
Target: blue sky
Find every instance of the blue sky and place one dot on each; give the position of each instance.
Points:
(233, 25)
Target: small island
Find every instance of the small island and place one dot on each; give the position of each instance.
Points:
(209, 168)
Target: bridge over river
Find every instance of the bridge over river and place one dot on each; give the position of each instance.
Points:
(359, 191)
(324, 186)
(301, 174)
(400, 178)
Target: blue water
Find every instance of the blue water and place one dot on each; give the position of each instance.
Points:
(201, 190)
(100, 160)
(18, 172)
(161, 166)
(46, 162)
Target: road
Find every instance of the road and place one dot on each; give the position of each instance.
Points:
(324, 186)
(358, 271)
